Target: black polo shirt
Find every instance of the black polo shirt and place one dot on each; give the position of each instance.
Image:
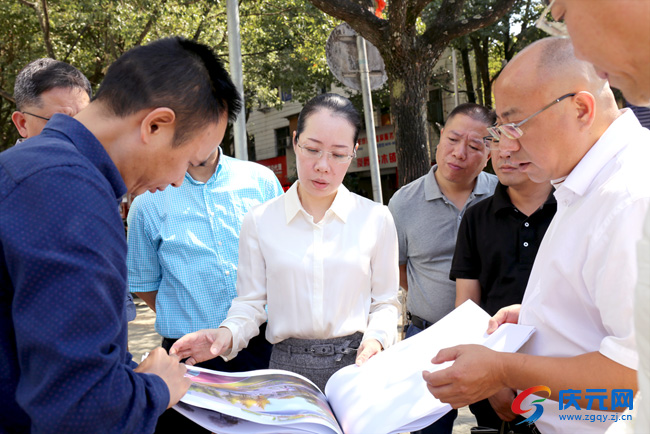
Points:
(497, 245)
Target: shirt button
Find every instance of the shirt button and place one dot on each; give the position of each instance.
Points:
(525, 243)
(220, 243)
(526, 224)
(227, 273)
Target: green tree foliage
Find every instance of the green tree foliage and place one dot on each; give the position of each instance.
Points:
(494, 46)
(283, 41)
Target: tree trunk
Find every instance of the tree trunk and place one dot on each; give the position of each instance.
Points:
(408, 96)
(44, 21)
(469, 83)
(479, 82)
(481, 53)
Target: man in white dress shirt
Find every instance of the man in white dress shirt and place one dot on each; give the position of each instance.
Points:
(560, 119)
(614, 36)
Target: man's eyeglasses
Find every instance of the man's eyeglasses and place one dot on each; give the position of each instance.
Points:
(315, 154)
(490, 142)
(553, 28)
(36, 116)
(512, 130)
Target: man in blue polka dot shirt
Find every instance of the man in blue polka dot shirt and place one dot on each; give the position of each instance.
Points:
(64, 367)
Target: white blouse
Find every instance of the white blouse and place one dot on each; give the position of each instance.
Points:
(318, 280)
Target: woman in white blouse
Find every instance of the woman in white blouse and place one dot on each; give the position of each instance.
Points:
(321, 259)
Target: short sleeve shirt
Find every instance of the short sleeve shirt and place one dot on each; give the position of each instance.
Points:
(497, 245)
(427, 224)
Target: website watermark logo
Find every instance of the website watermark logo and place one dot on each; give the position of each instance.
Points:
(539, 409)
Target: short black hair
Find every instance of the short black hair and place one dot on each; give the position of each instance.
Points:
(172, 72)
(44, 74)
(337, 104)
(474, 111)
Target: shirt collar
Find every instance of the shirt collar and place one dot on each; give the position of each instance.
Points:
(501, 199)
(615, 138)
(340, 207)
(88, 146)
(222, 164)
(432, 189)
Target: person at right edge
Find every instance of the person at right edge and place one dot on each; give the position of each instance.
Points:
(614, 35)
(560, 121)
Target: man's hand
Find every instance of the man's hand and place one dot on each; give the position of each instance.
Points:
(170, 370)
(508, 314)
(203, 345)
(367, 349)
(501, 403)
(476, 374)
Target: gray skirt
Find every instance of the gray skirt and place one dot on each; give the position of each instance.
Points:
(316, 359)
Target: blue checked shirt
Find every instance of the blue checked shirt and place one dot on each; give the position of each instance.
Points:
(184, 243)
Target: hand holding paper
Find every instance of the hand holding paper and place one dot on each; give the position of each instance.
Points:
(170, 370)
(477, 373)
(505, 315)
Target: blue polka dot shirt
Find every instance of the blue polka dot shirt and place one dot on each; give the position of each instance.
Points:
(64, 367)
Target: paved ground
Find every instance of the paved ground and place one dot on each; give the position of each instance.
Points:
(143, 338)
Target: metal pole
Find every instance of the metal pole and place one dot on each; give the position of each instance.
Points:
(370, 120)
(453, 61)
(234, 49)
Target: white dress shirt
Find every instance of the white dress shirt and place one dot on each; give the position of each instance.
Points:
(642, 322)
(581, 288)
(318, 280)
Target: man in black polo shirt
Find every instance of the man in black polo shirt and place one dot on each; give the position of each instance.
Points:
(496, 246)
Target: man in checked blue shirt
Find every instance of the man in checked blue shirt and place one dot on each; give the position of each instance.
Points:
(183, 253)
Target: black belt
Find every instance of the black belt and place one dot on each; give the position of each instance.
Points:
(417, 321)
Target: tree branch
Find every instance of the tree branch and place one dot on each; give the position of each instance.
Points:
(45, 25)
(459, 28)
(418, 7)
(30, 4)
(359, 18)
(449, 11)
(44, 22)
(147, 27)
(79, 36)
(7, 96)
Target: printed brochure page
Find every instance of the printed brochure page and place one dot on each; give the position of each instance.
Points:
(386, 395)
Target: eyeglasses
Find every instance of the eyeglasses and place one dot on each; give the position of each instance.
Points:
(512, 130)
(553, 28)
(490, 142)
(315, 154)
(36, 116)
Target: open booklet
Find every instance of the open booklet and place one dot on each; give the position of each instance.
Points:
(385, 395)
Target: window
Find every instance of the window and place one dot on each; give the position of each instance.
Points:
(282, 140)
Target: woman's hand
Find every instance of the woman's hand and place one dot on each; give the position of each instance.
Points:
(367, 349)
(203, 345)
